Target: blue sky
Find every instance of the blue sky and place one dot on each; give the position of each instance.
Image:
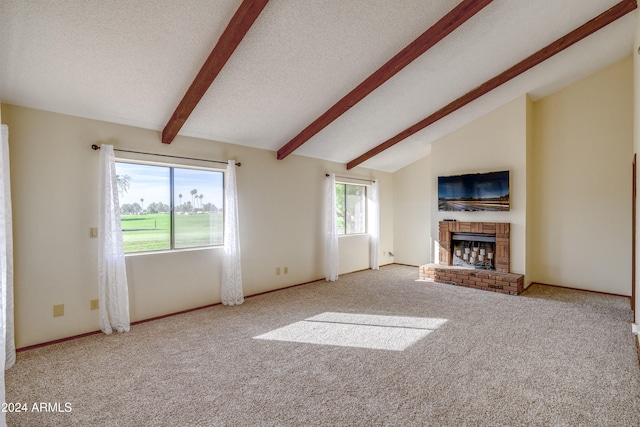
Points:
(151, 183)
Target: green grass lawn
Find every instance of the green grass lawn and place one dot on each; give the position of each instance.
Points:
(152, 232)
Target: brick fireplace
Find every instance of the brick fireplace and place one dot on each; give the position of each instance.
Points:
(498, 229)
(495, 276)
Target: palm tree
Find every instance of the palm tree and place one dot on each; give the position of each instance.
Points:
(142, 203)
(200, 197)
(193, 193)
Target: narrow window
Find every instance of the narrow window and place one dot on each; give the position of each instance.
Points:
(351, 202)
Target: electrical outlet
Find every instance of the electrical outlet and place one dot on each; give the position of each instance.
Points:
(58, 310)
(93, 233)
(94, 304)
(277, 271)
(286, 270)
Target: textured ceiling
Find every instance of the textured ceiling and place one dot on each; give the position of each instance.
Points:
(131, 62)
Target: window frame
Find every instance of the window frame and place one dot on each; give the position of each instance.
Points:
(365, 205)
(172, 207)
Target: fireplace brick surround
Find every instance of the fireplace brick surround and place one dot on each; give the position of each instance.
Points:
(501, 280)
(500, 229)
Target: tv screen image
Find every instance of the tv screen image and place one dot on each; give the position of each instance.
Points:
(474, 192)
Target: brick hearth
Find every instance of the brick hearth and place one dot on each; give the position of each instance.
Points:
(501, 280)
(494, 281)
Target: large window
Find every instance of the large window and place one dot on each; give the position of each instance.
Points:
(351, 205)
(166, 207)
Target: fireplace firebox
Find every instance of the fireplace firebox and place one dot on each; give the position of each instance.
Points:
(474, 250)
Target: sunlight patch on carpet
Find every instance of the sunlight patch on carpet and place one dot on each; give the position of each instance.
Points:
(357, 330)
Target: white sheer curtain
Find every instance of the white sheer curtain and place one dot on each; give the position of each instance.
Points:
(7, 342)
(374, 225)
(113, 291)
(331, 231)
(6, 253)
(231, 290)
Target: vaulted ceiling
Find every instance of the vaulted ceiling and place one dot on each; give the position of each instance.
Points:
(329, 79)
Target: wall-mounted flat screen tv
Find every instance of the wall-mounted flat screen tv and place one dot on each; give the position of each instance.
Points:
(474, 192)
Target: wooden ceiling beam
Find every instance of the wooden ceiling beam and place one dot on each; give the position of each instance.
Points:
(239, 25)
(597, 23)
(452, 20)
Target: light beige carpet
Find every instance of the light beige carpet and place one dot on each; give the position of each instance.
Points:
(373, 348)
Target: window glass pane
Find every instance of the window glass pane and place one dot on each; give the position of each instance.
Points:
(340, 207)
(356, 208)
(351, 208)
(144, 192)
(198, 197)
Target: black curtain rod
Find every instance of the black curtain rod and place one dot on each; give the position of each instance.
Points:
(97, 147)
(347, 177)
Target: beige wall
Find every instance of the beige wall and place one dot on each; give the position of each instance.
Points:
(54, 182)
(529, 232)
(494, 142)
(581, 183)
(412, 203)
